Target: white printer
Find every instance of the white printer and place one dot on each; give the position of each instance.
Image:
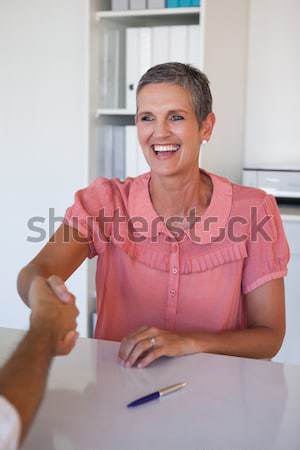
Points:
(280, 183)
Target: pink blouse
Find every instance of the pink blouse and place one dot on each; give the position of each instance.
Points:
(196, 282)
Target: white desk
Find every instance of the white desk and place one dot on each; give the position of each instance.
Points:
(229, 404)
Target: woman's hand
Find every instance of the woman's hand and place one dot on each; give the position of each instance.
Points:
(149, 343)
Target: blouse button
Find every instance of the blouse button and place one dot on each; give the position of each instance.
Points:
(172, 292)
(174, 270)
(174, 248)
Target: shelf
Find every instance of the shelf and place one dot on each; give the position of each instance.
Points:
(114, 112)
(146, 12)
(115, 116)
(153, 16)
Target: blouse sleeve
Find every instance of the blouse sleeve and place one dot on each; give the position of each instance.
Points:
(267, 247)
(85, 215)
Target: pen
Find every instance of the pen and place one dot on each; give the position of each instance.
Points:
(156, 395)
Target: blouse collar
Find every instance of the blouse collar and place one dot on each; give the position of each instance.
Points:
(204, 231)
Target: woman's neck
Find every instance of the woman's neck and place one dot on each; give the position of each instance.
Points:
(177, 195)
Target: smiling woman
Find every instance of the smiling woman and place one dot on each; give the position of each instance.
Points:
(171, 136)
(187, 260)
(170, 131)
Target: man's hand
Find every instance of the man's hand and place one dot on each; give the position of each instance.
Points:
(149, 343)
(54, 311)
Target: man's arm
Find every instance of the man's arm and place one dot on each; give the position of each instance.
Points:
(23, 378)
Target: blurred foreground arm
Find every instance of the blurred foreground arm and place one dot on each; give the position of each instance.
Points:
(23, 378)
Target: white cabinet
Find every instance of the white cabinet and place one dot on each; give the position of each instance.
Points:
(290, 351)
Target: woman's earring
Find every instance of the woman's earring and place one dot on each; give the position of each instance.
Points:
(204, 142)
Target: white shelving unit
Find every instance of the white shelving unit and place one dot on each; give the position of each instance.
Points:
(147, 13)
(113, 112)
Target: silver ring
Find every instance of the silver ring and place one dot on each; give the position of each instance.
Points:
(152, 341)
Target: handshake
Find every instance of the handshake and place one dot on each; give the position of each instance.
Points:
(23, 378)
(53, 313)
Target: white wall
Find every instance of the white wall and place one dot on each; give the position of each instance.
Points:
(273, 93)
(43, 131)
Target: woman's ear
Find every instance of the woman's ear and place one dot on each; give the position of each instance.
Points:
(207, 126)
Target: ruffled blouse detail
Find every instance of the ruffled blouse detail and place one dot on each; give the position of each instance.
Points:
(207, 261)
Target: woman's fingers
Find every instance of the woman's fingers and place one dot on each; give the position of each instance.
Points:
(150, 357)
(129, 342)
(140, 349)
(148, 344)
(59, 288)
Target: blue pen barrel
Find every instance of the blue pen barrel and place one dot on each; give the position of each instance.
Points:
(145, 399)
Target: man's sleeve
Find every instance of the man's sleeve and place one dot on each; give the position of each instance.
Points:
(10, 426)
